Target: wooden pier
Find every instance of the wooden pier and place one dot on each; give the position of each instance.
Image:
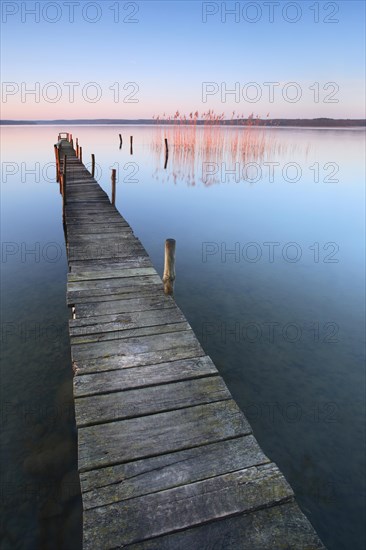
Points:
(167, 460)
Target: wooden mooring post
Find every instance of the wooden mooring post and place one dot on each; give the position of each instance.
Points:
(81, 154)
(113, 199)
(131, 145)
(93, 165)
(77, 147)
(64, 181)
(169, 266)
(120, 141)
(57, 160)
(166, 153)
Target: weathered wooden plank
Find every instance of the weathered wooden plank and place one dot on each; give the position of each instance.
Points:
(78, 266)
(84, 185)
(112, 443)
(81, 186)
(134, 346)
(119, 294)
(123, 246)
(81, 297)
(102, 252)
(136, 319)
(141, 477)
(105, 253)
(85, 193)
(92, 210)
(148, 375)
(124, 238)
(127, 305)
(96, 263)
(96, 198)
(98, 409)
(88, 184)
(110, 233)
(88, 193)
(79, 270)
(281, 527)
(79, 176)
(109, 283)
(91, 229)
(88, 208)
(87, 205)
(116, 362)
(109, 273)
(193, 504)
(100, 287)
(73, 218)
(81, 189)
(107, 336)
(93, 220)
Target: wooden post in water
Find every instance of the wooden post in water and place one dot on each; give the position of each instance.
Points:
(57, 157)
(64, 182)
(120, 141)
(169, 266)
(131, 145)
(113, 200)
(166, 153)
(93, 165)
(81, 154)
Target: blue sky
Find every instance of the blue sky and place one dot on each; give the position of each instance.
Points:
(169, 52)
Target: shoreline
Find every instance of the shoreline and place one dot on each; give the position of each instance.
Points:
(275, 123)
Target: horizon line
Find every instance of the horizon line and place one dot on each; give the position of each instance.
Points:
(200, 122)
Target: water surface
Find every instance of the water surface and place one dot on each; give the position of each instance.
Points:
(270, 264)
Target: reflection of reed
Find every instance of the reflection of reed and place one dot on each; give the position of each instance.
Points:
(214, 140)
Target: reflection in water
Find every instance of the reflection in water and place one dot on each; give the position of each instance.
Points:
(212, 153)
(40, 491)
(303, 398)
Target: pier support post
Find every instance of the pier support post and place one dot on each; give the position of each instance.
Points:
(77, 147)
(120, 141)
(81, 154)
(113, 199)
(57, 158)
(131, 145)
(169, 266)
(64, 181)
(166, 153)
(93, 165)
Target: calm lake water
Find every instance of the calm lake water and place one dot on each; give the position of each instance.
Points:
(270, 268)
